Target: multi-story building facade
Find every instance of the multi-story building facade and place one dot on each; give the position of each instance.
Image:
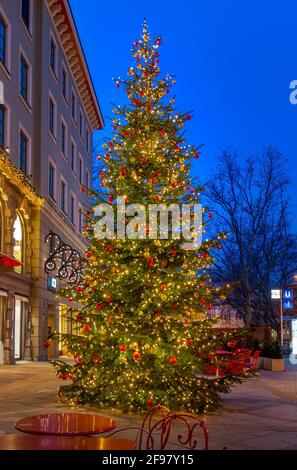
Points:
(47, 118)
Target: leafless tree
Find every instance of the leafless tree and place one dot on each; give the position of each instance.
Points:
(251, 204)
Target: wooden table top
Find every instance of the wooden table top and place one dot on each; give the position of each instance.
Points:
(63, 424)
(30, 442)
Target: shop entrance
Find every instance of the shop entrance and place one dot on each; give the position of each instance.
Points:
(51, 329)
(20, 326)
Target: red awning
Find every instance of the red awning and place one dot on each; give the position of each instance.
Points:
(8, 262)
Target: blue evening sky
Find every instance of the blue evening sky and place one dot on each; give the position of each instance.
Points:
(233, 61)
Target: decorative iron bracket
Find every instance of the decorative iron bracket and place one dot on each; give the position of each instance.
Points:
(63, 259)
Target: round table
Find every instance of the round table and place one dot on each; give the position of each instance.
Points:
(27, 442)
(63, 424)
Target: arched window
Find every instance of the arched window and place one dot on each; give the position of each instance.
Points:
(18, 242)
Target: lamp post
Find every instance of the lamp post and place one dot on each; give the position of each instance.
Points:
(281, 318)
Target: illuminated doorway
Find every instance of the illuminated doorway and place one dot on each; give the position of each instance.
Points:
(20, 326)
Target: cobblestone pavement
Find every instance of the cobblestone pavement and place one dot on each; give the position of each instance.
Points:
(261, 413)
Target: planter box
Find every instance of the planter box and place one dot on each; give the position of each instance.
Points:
(276, 365)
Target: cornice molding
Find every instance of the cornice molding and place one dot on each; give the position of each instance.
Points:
(66, 29)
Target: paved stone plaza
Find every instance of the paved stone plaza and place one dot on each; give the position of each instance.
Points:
(259, 414)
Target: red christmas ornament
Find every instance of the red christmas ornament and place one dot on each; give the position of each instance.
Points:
(159, 41)
(219, 246)
(136, 355)
(231, 344)
(205, 255)
(98, 157)
(96, 358)
(163, 286)
(135, 44)
(173, 252)
(157, 198)
(186, 321)
(138, 58)
(192, 191)
(46, 344)
(116, 270)
(82, 189)
(149, 402)
(164, 263)
(70, 299)
(147, 230)
(188, 342)
(110, 199)
(71, 376)
(64, 376)
(88, 254)
(187, 118)
(99, 307)
(137, 102)
(79, 318)
(202, 302)
(167, 90)
(79, 289)
(87, 328)
(150, 260)
(209, 307)
(196, 155)
(149, 107)
(210, 216)
(123, 347)
(172, 360)
(123, 172)
(86, 213)
(117, 84)
(108, 299)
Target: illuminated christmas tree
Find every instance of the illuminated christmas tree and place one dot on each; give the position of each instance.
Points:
(142, 334)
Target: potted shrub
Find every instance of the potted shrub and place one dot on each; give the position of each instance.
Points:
(272, 357)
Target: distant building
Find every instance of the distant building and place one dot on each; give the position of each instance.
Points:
(227, 317)
(49, 112)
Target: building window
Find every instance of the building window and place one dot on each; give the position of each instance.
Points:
(81, 125)
(88, 140)
(53, 54)
(80, 171)
(26, 13)
(63, 138)
(72, 156)
(63, 196)
(64, 83)
(3, 30)
(52, 114)
(24, 73)
(2, 126)
(18, 242)
(73, 106)
(87, 179)
(51, 181)
(72, 209)
(80, 219)
(23, 152)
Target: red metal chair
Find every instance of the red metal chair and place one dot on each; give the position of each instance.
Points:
(156, 431)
